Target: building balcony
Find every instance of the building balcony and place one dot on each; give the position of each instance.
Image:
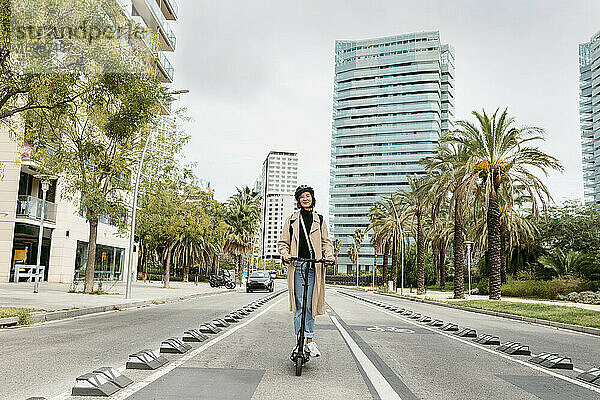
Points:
(154, 18)
(165, 67)
(31, 207)
(170, 9)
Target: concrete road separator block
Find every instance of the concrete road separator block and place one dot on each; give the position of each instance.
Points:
(194, 335)
(114, 376)
(145, 359)
(489, 340)
(466, 332)
(415, 316)
(230, 318)
(557, 362)
(174, 346)
(36, 398)
(541, 357)
(220, 322)
(207, 327)
(449, 327)
(93, 384)
(436, 322)
(518, 349)
(591, 376)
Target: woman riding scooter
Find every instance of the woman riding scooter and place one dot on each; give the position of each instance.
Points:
(305, 236)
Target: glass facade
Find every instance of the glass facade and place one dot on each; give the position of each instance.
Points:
(393, 99)
(589, 116)
(109, 262)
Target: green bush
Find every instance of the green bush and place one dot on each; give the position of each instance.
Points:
(483, 286)
(540, 289)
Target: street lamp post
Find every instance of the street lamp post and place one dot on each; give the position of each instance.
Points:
(45, 180)
(469, 244)
(134, 206)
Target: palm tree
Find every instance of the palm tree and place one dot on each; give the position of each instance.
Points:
(563, 263)
(337, 246)
(413, 205)
(388, 231)
(354, 251)
(500, 155)
(447, 171)
(242, 217)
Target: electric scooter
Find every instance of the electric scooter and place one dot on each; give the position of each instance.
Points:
(301, 357)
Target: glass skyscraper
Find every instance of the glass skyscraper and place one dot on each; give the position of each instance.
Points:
(393, 99)
(589, 116)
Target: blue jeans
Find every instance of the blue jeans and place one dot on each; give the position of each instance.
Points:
(309, 322)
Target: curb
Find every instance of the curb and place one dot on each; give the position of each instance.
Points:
(41, 316)
(578, 328)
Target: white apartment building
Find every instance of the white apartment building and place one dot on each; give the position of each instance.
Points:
(65, 236)
(278, 182)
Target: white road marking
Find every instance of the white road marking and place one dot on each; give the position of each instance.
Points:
(125, 393)
(381, 385)
(505, 356)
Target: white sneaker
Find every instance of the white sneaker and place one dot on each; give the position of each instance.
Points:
(313, 349)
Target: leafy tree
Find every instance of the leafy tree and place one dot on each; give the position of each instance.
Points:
(571, 226)
(93, 143)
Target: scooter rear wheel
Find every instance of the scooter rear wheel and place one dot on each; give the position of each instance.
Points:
(299, 362)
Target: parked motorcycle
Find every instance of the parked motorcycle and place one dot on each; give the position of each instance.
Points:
(222, 279)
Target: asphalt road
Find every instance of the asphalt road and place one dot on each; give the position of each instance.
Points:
(368, 352)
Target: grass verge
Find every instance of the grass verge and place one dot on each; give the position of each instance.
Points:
(563, 314)
(22, 313)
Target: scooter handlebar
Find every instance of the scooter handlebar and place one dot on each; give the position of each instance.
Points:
(322, 260)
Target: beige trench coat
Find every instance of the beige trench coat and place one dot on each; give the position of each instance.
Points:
(288, 246)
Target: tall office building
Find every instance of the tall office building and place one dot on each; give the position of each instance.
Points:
(589, 116)
(278, 182)
(65, 235)
(393, 98)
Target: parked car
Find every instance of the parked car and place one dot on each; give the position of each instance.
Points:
(259, 280)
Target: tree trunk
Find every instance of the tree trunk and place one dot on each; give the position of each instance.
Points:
(458, 252)
(502, 254)
(384, 268)
(90, 265)
(167, 266)
(238, 271)
(442, 262)
(394, 272)
(435, 256)
(420, 255)
(493, 225)
(186, 272)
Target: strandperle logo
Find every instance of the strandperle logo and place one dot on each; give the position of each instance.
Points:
(66, 36)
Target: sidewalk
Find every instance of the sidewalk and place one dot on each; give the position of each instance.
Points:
(56, 302)
(448, 296)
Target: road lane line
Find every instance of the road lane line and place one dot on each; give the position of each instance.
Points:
(381, 385)
(125, 393)
(533, 366)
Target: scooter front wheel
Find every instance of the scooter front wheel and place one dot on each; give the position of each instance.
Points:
(299, 362)
(230, 285)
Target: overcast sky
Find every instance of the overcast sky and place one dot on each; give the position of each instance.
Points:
(260, 75)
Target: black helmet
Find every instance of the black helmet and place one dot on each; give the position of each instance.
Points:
(303, 188)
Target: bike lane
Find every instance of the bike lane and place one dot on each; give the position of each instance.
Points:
(431, 364)
(252, 363)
